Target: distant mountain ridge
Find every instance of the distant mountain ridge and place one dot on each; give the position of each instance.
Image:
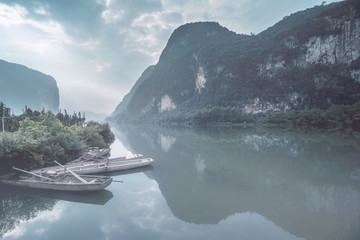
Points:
(20, 86)
(310, 59)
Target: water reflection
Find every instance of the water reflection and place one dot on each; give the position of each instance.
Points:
(20, 205)
(207, 184)
(16, 208)
(307, 184)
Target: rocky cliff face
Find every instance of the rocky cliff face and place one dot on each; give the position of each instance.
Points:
(20, 86)
(310, 59)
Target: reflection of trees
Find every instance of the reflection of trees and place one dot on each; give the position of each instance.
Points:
(16, 207)
(308, 184)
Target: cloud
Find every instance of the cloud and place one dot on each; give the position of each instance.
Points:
(100, 67)
(149, 29)
(17, 17)
(111, 17)
(11, 15)
(40, 11)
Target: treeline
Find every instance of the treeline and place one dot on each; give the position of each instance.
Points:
(335, 118)
(11, 121)
(36, 138)
(338, 117)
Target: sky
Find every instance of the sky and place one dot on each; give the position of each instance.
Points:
(97, 49)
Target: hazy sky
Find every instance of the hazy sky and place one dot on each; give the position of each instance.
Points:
(97, 49)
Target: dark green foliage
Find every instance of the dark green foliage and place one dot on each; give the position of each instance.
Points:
(96, 134)
(335, 118)
(275, 68)
(12, 121)
(38, 143)
(4, 111)
(219, 115)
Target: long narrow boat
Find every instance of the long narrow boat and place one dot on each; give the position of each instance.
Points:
(108, 165)
(99, 165)
(67, 181)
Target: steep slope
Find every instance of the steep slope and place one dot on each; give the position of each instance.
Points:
(20, 86)
(123, 106)
(310, 59)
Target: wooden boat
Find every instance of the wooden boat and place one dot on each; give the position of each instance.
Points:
(88, 156)
(109, 165)
(100, 165)
(66, 181)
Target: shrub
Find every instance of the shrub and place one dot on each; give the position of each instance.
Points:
(37, 144)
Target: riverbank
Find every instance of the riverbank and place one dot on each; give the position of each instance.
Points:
(337, 118)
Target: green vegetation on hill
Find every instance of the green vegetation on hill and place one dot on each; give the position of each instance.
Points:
(305, 65)
(335, 118)
(38, 140)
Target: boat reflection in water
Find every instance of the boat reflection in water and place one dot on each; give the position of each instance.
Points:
(209, 184)
(307, 184)
(21, 204)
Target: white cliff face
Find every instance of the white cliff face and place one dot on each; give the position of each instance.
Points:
(166, 104)
(271, 67)
(342, 48)
(200, 80)
(148, 106)
(355, 74)
(258, 106)
(321, 51)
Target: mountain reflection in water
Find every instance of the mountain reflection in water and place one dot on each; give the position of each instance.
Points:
(209, 183)
(307, 184)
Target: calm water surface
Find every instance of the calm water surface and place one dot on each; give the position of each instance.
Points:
(219, 183)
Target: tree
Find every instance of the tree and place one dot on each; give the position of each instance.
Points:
(4, 111)
(39, 140)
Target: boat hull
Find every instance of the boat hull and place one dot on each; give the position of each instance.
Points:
(59, 186)
(100, 166)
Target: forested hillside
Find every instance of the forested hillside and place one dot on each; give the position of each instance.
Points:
(306, 63)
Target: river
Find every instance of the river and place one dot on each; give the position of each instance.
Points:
(206, 183)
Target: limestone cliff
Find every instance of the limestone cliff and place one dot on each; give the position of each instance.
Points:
(310, 59)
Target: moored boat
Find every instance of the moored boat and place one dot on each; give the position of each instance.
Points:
(99, 165)
(109, 165)
(66, 181)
